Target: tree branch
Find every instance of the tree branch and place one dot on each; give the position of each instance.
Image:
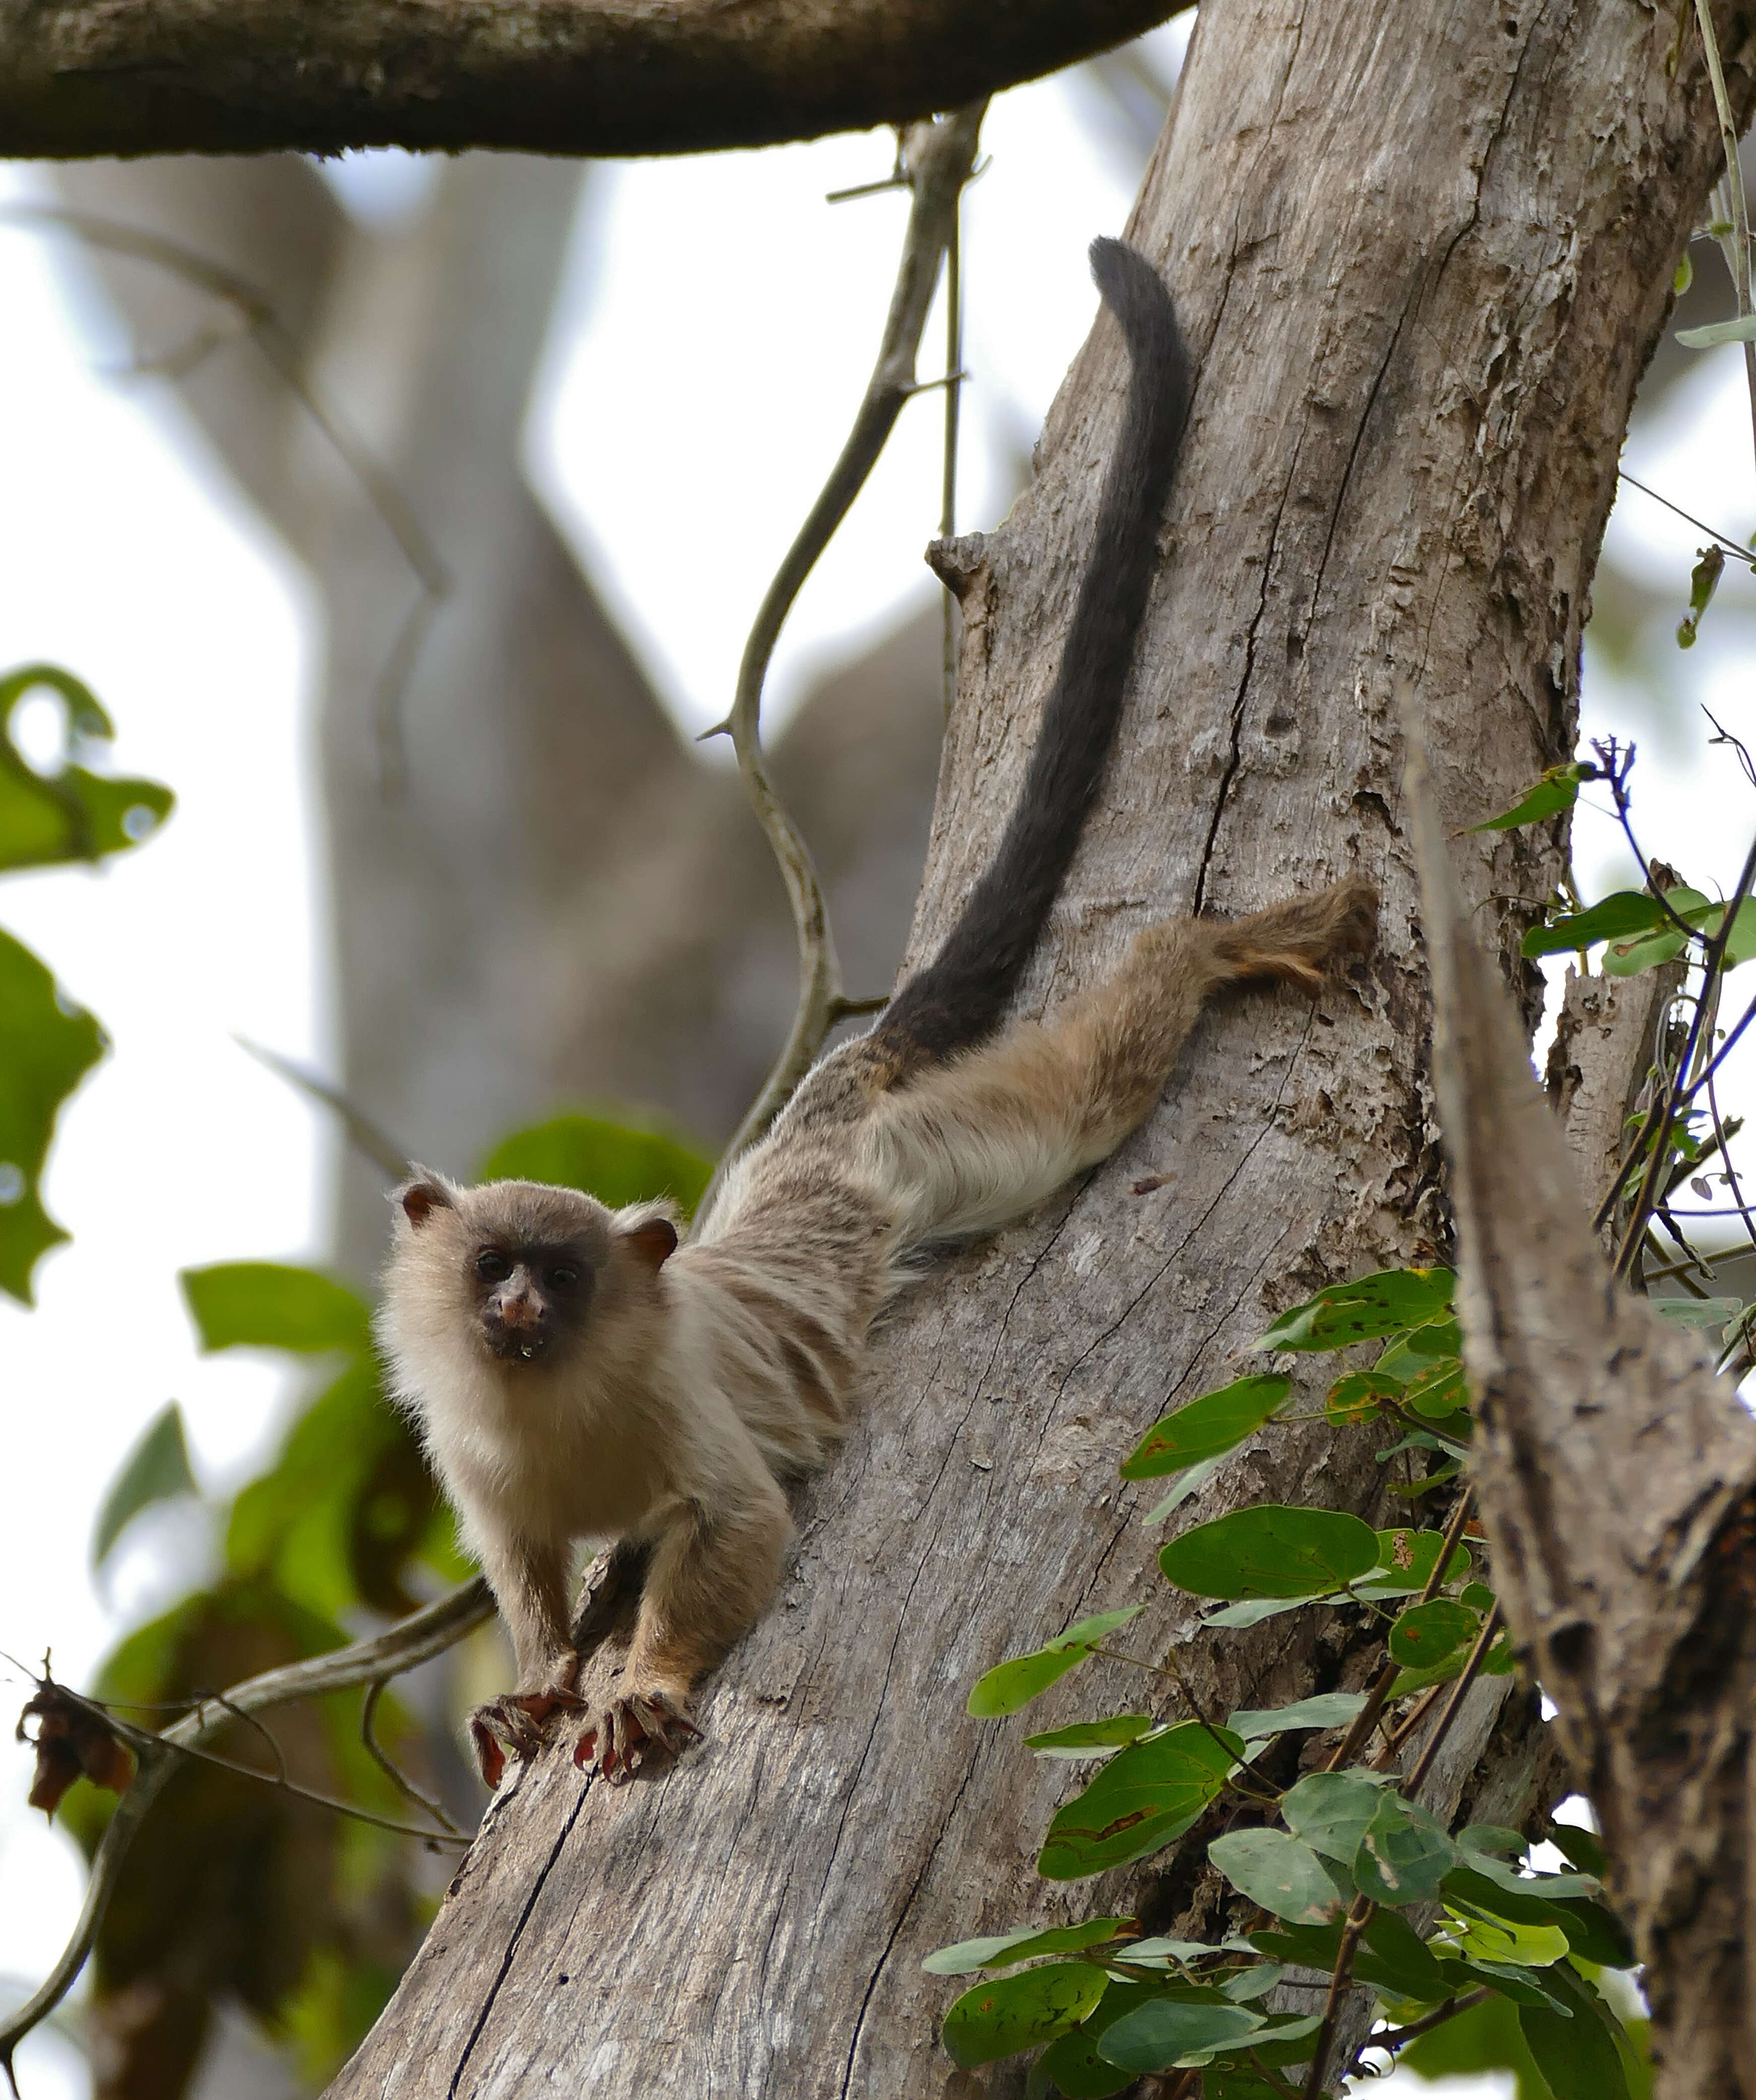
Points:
(414, 1640)
(936, 159)
(536, 76)
(1617, 1483)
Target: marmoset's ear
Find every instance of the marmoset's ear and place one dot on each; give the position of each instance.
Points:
(650, 1235)
(425, 1194)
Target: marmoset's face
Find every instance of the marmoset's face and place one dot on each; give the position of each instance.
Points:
(528, 1297)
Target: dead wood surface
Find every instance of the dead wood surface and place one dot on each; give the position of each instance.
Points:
(1617, 1483)
(1421, 253)
(574, 77)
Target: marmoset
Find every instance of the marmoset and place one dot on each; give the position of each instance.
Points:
(577, 1374)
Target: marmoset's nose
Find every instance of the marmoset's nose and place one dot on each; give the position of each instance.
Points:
(522, 1312)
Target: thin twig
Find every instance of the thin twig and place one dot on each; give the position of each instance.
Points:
(1359, 1917)
(1737, 744)
(258, 318)
(1378, 1697)
(415, 1640)
(393, 1771)
(1723, 539)
(954, 365)
(1392, 2039)
(1736, 249)
(938, 156)
(366, 1136)
(1466, 1676)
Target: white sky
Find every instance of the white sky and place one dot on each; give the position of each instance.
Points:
(125, 556)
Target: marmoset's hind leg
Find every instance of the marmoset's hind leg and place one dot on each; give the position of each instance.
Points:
(981, 1139)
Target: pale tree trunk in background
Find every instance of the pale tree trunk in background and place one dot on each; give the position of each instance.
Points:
(567, 905)
(1421, 254)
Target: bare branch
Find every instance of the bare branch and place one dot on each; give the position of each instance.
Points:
(573, 77)
(936, 159)
(416, 1639)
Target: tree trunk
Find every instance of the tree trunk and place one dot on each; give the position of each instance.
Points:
(1422, 255)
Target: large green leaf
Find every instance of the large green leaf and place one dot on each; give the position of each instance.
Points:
(617, 1163)
(1005, 1950)
(1613, 918)
(1147, 1795)
(1159, 2033)
(68, 813)
(1578, 2057)
(46, 1047)
(1426, 1633)
(1012, 2012)
(157, 1471)
(270, 1305)
(1206, 1429)
(1010, 1685)
(1279, 1873)
(1348, 1313)
(1331, 1812)
(1324, 1709)
(1271, 1550)
(1072, 2066)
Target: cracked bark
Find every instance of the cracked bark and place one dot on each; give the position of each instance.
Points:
(534, 76)
(1421, 254)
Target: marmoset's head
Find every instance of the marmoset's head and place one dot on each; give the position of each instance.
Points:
(522, 1270)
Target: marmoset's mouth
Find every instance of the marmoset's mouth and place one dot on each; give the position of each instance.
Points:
(511, 1347)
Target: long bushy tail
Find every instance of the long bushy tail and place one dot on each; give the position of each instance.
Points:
(962, 994)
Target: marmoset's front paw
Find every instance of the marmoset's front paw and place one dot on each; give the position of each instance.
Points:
(515, 1720)
(636, 1731)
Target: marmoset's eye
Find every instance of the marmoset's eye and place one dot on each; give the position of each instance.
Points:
(493, 1265)
(564, 1276)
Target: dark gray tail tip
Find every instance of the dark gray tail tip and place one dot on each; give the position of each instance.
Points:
(1124, 276)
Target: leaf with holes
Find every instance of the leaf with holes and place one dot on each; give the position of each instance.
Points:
(1359, 1396)
(67, 813)
(1370, 1305)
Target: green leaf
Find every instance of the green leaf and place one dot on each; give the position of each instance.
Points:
(1005, 1950)
(1395, 1955)
(1582, 1848)
(1413, 1352)
(1349, 1312)
(1578, 2056)
(1012, 2012)
(157, 1471)
(1403, 1855)
(1594, 1932)
(1331, 1812)
(1698, 1313)
(1254, 1611)
(1324, 1709)
(69, 814)
(1183, 1486)
(271, 1305)
(1278, 1872)
(1206, 1429)
(1438, 1389)
(1710, 335)
(1519, 1946)
(1704, 580)
(1426, 1634)
(1613, 918)
(46, 1047)
(1271, 1550)
(1406, 1558)
(1358, 1396)
(1255, 1981)
(617, 1163)
(1556, 790)
(1164, 2030)
(1145, 1797)
(1088, 1739)
(1010, 1685)
(1073, 2064)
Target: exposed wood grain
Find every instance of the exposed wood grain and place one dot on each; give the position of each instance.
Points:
(1421, 252)
(1617, 1481)
(584, 77)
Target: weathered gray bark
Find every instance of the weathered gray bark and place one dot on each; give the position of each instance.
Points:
(575, 77)
(1617, 1482)
(1421, 254)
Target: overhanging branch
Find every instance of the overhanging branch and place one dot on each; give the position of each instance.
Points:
(578, 77)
